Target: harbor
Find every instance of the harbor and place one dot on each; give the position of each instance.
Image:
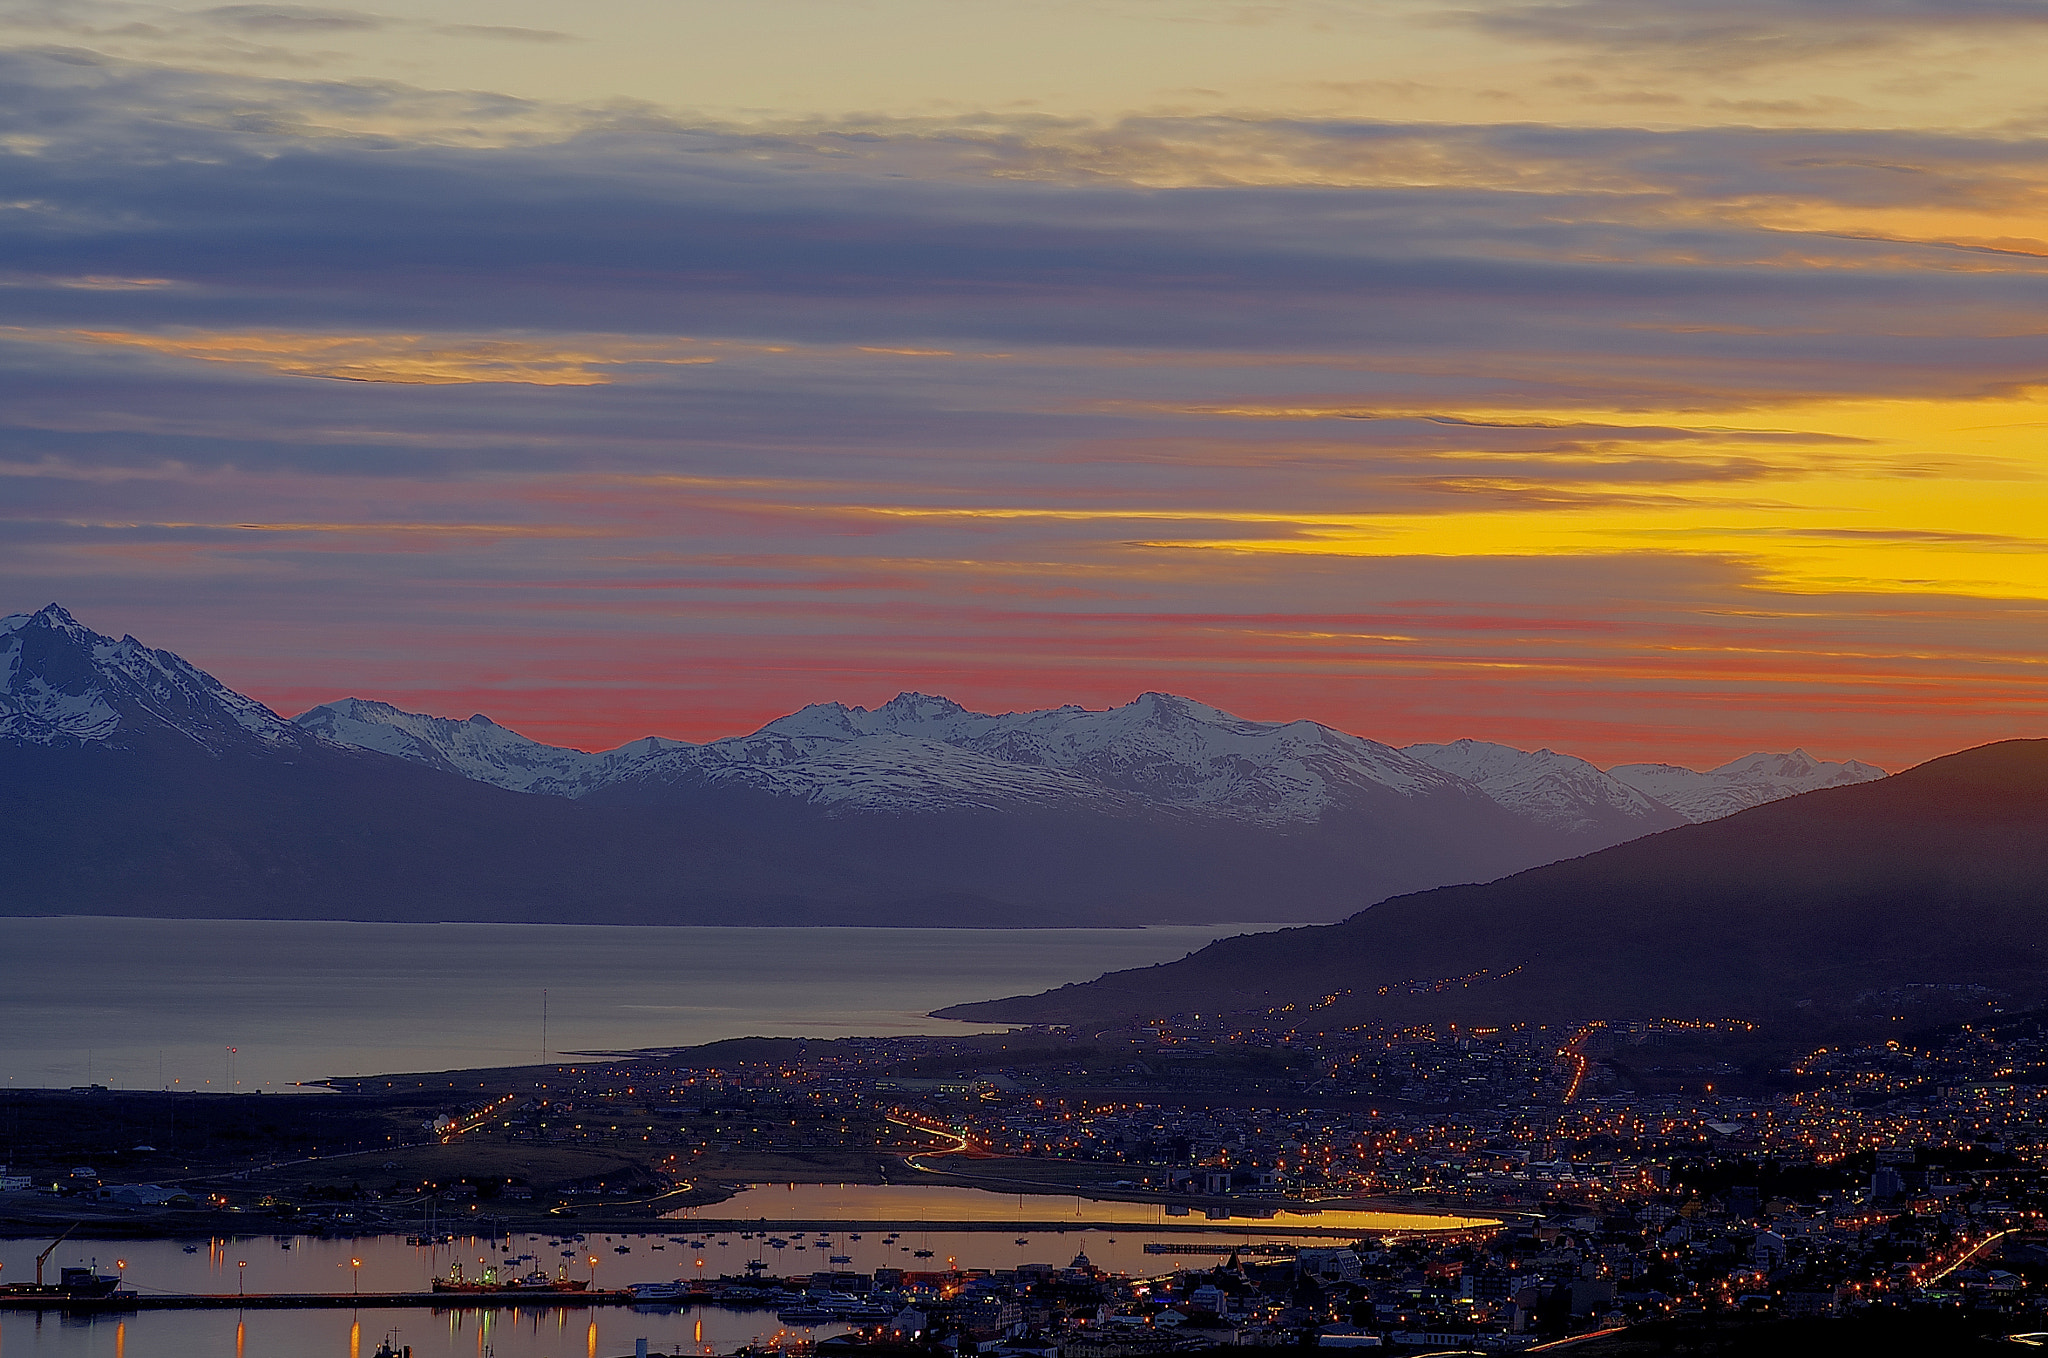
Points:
(311, 1301)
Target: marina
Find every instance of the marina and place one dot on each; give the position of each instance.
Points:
(691, 1293)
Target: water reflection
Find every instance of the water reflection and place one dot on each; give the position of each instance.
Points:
(157, 1003)
(932, 1202)
(1113, 1235)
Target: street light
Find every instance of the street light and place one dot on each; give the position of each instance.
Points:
(240, 1264)
(356, 1273)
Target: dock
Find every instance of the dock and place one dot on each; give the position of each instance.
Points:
(313, 1301)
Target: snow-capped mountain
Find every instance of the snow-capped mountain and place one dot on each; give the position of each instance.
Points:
(919, 752)
(132, 782)
(1168, 753)
(478, 748)
(1553, 789)
(62, 684)
(1741, 783)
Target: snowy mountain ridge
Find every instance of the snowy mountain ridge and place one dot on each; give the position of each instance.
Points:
(920, 750)
(1741, 783)
(1551, 788)
(478, 748)
(61, 683)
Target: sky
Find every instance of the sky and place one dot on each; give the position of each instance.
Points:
(1645, 379)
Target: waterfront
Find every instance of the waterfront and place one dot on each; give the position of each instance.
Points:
(149, 1004)
(259, 1264)
(935, 1203)
(509, 1333)
(262, 1264)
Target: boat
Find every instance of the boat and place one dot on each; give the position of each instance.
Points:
(656, 1291)
(82, 1283)
(804, 1315)
(842, 1258)
(921, 1254)
(71, 1282)
(538, 1281)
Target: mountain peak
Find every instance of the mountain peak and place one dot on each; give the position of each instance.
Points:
(925, 706)
(61, 683)
(53, 617)
(1167, 708)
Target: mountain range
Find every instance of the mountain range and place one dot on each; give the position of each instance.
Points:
(919, 752)
(136, 783)
(1857, 908)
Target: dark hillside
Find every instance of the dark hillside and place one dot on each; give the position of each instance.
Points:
(1839, 906)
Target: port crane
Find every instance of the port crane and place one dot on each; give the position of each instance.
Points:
(44, 1257)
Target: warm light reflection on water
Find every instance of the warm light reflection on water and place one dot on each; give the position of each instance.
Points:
(935, 1203)
(1113, 1235)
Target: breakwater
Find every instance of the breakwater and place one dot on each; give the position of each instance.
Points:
(312, 1301)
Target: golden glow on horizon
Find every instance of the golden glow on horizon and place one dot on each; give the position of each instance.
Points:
(1492, 60)
(1050, 350)
(449, 360)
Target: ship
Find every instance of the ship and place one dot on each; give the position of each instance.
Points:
(85, 1284)
(536, 1281)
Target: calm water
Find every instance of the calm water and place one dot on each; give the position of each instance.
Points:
(149, 1003)
(219, 1004)
(941, 1202)
(286, 1264)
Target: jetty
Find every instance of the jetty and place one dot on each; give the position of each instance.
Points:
(311, 1301)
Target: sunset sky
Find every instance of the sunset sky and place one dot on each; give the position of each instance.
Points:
(1649, 379)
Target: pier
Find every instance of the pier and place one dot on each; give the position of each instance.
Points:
(312, 1301)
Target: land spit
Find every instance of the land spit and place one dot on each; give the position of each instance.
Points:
(314, 1301)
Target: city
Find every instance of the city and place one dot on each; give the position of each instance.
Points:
(1589, 1180)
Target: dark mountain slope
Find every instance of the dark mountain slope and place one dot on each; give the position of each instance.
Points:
(341, 835)
(133, 783)
(1808, 909)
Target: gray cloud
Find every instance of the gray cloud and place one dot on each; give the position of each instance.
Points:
(1728, 33)
(504, 32)
(285, 19)
(1565, 266)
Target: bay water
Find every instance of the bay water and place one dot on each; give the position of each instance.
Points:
(263, 1004)
(222, 1005)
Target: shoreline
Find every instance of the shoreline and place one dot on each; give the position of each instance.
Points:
(1248, 1227)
